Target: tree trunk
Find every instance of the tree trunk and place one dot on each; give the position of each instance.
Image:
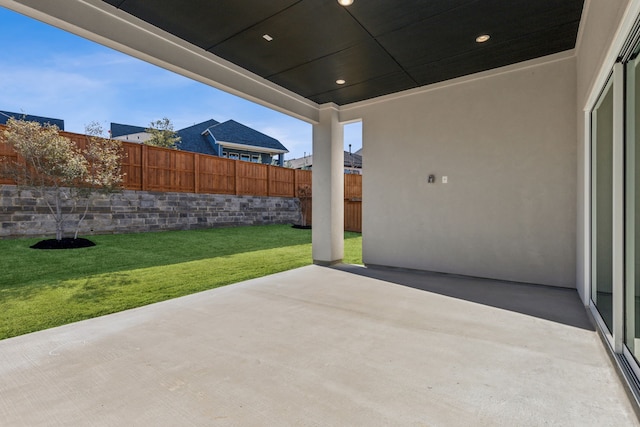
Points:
(58, 217)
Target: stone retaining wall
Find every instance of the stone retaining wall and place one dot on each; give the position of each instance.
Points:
(24, 212)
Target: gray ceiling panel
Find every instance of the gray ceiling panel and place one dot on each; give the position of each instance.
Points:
(492, 56)
(357, 64)
(377, 46)
(304, 32)
(379, 86)
(382, 16)
(203, 22)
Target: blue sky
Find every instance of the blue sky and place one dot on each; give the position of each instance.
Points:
(48, 72)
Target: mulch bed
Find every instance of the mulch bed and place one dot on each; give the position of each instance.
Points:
(65, 243)
(302, 227)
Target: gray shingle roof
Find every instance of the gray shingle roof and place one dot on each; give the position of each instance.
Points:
(194, 141)
(350, 161)
(5, 115)
(118, 129)
(232, 131)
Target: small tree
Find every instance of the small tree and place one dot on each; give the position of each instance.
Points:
(162, 134)
(63, 173)
(104, 166)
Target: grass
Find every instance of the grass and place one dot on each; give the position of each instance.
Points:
(41, 289)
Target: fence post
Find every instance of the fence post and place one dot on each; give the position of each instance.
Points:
(196, 173)
(143, 167)
(235, 167)
(295, 183)
(173, 171)
(269, 174)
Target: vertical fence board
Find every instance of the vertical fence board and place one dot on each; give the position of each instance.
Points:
(10, 156)
(352, 186)
(252, 178)
(217, 175)
(131, 166)
(303, 178)
(353, 216)
(353, 202)
(281, 182)
(185, 171)
(196, 173)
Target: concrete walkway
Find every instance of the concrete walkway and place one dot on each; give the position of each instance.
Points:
(323, 347)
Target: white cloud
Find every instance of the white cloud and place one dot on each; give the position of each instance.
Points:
(295, 136)
(81, 82)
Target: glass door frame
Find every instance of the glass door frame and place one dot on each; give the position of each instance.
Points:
(613, 66)
(615, 337)
(596, 224)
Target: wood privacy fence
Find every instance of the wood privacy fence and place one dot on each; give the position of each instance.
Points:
(353, 203)
(149, 168)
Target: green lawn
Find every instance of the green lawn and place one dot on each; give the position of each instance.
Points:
(41, 289)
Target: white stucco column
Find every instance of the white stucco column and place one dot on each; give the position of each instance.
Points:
(328, 188)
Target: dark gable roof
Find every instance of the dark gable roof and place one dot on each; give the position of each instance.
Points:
(118, 129)
(232, 131)
(194, 141)
(5, 115)
(352, 160)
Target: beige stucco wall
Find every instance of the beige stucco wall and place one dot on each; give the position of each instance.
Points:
(507, 144)
(600, 22)
(598, 26)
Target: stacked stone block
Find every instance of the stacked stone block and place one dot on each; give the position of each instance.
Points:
(24, 212)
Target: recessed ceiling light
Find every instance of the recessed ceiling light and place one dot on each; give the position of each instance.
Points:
(483, 38)
(341, 81)
(345, 2)
(267, 37)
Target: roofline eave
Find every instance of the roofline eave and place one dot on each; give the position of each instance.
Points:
(248, 147)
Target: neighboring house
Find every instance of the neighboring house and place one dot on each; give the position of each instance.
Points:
(229, 139)
(129, 133)
(6, 115)
(233, 140)
(352, 163)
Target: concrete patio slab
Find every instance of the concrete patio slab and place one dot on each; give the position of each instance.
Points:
(319, 346)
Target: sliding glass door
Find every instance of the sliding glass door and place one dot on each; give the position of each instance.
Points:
(602, 204)
(632, 206)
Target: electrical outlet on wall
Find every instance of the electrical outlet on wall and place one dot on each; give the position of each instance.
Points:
(444, 179)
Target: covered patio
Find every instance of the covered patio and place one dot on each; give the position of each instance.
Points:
(324, 346)
(499, 141)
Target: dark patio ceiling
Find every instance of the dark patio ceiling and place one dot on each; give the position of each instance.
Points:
(377, 46)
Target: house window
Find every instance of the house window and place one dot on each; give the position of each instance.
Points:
(225, 154)
(245, 157)
(234, 156)
(255, 159)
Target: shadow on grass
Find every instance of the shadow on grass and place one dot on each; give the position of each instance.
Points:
(34, 307)
(24, 270)
(94, 288)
